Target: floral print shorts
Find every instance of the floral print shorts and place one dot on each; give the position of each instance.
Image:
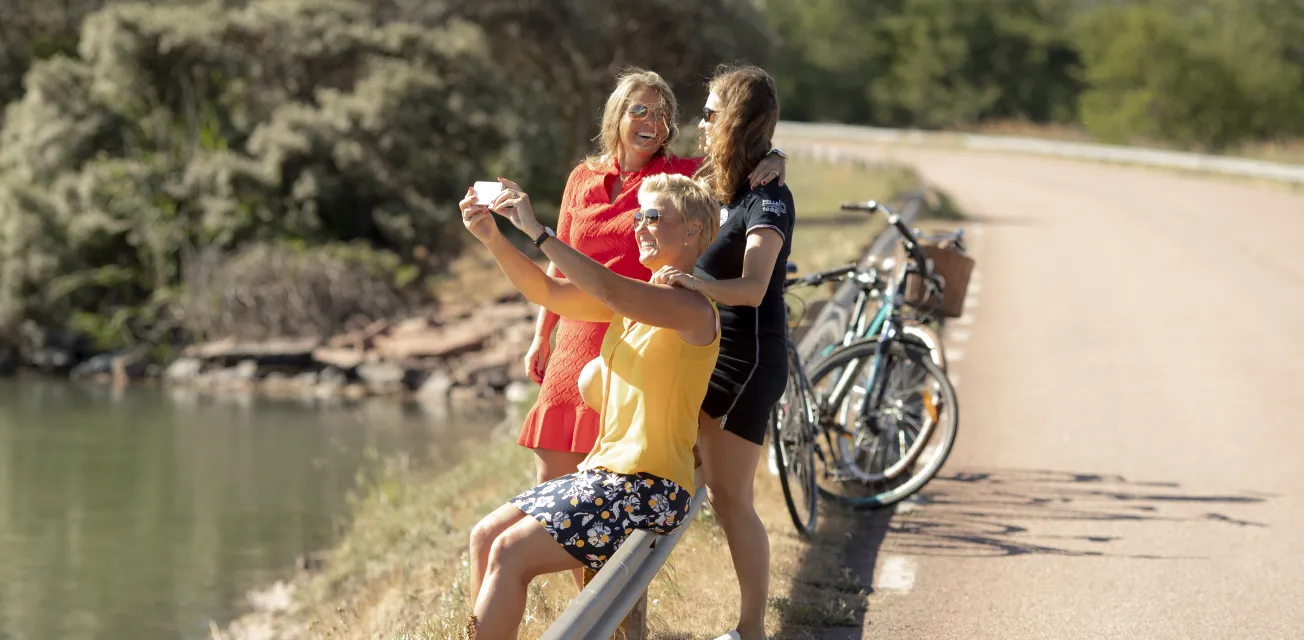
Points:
(592, 511)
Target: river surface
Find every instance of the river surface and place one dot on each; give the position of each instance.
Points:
(147, 513)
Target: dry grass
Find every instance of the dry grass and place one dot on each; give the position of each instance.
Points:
(400, 570)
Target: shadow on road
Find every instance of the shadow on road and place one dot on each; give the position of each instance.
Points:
(988, 513)
(995, 513)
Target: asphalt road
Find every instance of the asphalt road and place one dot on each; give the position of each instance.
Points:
(1130, 461)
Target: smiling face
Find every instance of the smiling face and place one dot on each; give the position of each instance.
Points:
(669, 240)
(643, 126)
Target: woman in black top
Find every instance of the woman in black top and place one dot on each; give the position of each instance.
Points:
(743, 272)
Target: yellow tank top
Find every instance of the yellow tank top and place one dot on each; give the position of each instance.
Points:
(653, 384)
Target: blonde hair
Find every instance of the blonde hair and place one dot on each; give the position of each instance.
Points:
(608, 140)
(743, 128)
(691, 199)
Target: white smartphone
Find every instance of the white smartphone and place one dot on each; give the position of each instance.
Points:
(485, 192)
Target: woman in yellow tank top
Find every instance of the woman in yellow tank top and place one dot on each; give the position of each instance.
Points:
(656, 360)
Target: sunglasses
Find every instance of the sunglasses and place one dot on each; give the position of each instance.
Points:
(708, 114)
(639, 111)
(652, 216)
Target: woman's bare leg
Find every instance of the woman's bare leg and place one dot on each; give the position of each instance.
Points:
(522, 552)
(729, 465)
(483, 535)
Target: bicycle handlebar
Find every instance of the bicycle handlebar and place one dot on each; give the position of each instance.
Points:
(820, 277)
(911, 240)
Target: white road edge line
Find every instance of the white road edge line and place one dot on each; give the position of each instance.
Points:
(895, 573)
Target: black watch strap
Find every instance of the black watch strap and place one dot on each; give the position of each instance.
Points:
(543, 235)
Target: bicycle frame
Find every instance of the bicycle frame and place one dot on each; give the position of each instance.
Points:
(886, 326)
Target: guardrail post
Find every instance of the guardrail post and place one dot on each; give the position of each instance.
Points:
(634, 626)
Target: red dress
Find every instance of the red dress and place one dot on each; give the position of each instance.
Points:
(604, 231)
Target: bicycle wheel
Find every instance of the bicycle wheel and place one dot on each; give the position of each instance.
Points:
(792, 439)
(889, 454)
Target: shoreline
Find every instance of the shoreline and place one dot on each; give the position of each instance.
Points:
(451, 360)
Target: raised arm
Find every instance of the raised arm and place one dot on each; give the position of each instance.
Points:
(656, 305)
(556, 294)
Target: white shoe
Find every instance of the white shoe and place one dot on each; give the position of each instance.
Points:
(732, 635)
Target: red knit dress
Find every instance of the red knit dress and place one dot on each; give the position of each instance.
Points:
(604, 231)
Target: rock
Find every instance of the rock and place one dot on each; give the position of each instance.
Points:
(277, 382)
(99, 364)
(50, 350)
(245, 370)
(343, 358)
(355, 391)
(467, 400)
(50, 360)
(307, 379)
(332, 377)
(447, 342)
(410, 326)
(493, 367)
(507, 313)
(361, 338)
(133, 365)
(283, 352)
(382, 377)
(435, 388)
(183, 369)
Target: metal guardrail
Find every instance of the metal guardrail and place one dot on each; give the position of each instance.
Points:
(1244, 167)
(601, 606)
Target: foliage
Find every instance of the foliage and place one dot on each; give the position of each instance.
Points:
(1203, 74)
(1213, 77)
(266, 290)
(157, 133)
(140, 136)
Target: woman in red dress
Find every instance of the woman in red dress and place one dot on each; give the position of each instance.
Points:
(639, 123)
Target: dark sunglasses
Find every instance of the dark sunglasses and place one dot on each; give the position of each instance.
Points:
(708, 113)
(639, 111)
(652, 216)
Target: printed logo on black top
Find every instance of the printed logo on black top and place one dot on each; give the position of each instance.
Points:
(724, 215)
(773, 206)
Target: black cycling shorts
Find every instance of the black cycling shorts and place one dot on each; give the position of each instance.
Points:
(749, 378)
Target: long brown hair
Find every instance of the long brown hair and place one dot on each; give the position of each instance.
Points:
(743, 128)
(631, 80)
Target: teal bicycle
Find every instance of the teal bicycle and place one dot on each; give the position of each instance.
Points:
(871, 421)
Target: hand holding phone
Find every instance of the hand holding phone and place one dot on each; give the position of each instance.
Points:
(485, 192)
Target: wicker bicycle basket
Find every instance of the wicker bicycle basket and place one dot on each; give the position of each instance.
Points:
(954, 267)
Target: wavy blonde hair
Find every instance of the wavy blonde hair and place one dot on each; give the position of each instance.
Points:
(742, 130)
(691, 198)
(631, 80)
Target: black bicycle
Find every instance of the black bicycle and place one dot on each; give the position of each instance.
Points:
(873, 421)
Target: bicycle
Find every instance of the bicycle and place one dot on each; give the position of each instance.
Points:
(841, 328)
(845, 425)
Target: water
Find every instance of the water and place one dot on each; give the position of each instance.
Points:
(146, 513)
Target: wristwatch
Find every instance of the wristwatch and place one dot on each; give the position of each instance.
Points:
(544, 235)
(779, 153)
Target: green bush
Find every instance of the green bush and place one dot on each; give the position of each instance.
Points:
(268, 290)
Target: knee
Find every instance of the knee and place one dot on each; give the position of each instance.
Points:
(728, 499)
(483, 535)
(505, 556)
